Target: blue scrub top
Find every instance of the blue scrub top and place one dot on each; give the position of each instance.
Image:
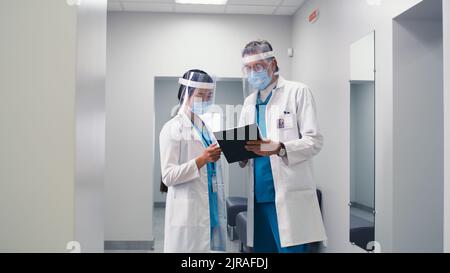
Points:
(211, 167)
(264, 187)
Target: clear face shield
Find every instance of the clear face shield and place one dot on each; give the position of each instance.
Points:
(198, 94)
(258, 70)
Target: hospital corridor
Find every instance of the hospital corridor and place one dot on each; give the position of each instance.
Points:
(243, 128)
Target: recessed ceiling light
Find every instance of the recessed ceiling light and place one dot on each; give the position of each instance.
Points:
(202, 2)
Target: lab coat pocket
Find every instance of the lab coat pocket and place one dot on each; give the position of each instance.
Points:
(287, 127)
(183, 212)
(288, 121)
(289, 134)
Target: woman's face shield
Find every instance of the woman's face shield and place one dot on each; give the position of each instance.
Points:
(198, 93)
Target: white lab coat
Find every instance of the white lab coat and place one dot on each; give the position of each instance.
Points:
(298, 213)
(187, 220)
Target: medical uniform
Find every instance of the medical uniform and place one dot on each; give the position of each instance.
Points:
(266, 233)
(217, 235)
(187, 227)
(195, 218)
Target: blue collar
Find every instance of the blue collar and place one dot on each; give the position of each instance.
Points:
(266, 101)
(260, 102)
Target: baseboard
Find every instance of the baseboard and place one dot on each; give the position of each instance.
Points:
(159, 204)
(129, 245)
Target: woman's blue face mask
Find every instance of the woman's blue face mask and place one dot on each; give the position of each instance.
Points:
(259, 80)
(201, 108)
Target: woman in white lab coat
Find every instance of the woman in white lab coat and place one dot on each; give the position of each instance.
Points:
(283, 210)
(195, 212)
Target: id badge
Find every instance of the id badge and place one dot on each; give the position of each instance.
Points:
(281, 123)
(287, 121)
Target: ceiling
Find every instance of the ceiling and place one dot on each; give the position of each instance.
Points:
(265, 7)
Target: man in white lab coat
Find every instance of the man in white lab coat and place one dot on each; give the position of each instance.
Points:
(283, 209)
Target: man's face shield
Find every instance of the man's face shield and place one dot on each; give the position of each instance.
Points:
(258, 71)
(256, 67)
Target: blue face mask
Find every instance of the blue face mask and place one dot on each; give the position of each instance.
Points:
(201, 108)
(259, 80)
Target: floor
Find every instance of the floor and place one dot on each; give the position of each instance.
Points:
(158, 233)
(360, 218)
(158, 229)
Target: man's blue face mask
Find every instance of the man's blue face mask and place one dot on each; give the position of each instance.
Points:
(259, 80)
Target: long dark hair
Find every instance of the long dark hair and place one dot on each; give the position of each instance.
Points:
(200, 76)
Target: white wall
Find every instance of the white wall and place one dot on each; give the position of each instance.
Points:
(418, 130)
(322, 61)
(37, 125)
(362, 59)
(446, 31)
(140, 47)
(52, 124)
(90, 125)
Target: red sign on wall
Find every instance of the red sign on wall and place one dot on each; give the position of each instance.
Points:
(314, 16)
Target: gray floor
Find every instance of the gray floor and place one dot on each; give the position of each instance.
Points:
(158, 233)
(360, 218)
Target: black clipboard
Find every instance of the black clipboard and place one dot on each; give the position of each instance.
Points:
(233, 141)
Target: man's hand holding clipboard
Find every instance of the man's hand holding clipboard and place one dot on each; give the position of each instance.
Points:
(244, 143)
(233, 142)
